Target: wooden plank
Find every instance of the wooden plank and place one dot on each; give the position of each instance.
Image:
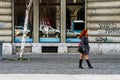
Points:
(104, 39)
(5, 4)
(5, 18)
(8, 25)
(5, 11)
(5, 32)
(104, 32)
(5, 38)
(6, 0)
(103, 25)
(103, 18)
(109, 4)
(107, 11)
(101, 0)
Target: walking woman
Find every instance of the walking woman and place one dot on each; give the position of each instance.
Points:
(84, 54)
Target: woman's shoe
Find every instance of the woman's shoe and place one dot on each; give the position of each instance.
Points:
(90, 67)
(81, 67)
(80, 64)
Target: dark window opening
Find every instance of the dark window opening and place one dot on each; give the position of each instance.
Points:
(78, 26)
(81, 14)
(68, 19)
(49, 49)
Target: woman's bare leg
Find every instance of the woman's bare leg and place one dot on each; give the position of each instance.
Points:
(81, 56)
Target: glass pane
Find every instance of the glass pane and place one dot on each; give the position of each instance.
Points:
(49, 20)
(20, 12)
(76, 1)
(75, 19)
(49, 1)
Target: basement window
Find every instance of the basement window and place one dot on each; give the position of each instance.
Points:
(49, 49)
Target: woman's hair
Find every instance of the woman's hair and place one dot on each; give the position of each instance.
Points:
(83, 33)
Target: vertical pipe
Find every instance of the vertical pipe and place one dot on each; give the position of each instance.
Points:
(85, 13)
(12, 9)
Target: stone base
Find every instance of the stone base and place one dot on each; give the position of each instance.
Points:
(95, 48)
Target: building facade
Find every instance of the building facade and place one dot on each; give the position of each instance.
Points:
(53, 26)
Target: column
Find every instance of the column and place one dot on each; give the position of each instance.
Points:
(36, 21)
(63, 21)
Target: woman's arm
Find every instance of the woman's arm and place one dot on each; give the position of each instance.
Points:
(82, 40)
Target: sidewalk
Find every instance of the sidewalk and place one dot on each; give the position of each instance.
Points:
(54, 66)
(57, 77)
(63, 55)
(54, 63)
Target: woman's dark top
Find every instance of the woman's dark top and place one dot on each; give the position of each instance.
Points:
(85, 42)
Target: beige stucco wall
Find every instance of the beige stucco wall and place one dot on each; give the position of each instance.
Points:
(103, 17)
(6, 20)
